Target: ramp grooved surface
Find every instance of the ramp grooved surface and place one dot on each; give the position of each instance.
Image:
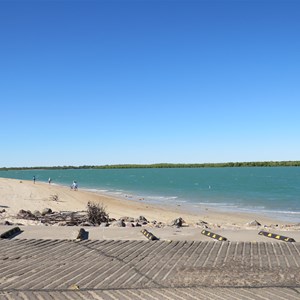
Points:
(50, 269)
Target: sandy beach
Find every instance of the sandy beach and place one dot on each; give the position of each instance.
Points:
(16, 195)
(49, 261)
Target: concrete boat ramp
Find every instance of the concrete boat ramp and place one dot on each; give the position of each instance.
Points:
(143, 269)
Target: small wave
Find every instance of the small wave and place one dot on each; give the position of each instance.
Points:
(216, 204)
(181, 201)
(283, 212)
(97, 190)
(162, 197)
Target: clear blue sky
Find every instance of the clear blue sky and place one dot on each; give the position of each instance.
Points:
(108, 82)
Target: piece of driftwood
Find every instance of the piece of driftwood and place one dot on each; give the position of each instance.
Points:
(62, 218)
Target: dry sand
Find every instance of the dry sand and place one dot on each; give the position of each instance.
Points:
(16, 195)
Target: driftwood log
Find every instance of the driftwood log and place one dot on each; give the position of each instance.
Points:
(68, 218)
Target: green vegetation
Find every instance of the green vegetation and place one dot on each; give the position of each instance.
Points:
(169, 165)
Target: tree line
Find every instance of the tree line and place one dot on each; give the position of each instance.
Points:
(166, 165)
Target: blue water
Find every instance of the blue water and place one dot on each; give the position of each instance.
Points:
(270, 191)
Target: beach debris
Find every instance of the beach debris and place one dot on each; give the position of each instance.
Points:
(96, 213)
(7, 223)
(26, 214)
(48, 217)
(150, 236)
(37, 213)
(276, 236)
(2, 211)
(160, 225)
(253, 223)
(46, 211)
(142, 219)
(156, 224)
(74, 287)
(127, 219)
(86, 223)
(295, 226)
(94, 216)
(177, 222)
(118, 223)
(60, 218)
(214, 235)
(54, 198)
(202, 223)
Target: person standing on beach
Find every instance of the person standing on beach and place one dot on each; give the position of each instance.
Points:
(74, 186)
(33, 179)
(49, 180)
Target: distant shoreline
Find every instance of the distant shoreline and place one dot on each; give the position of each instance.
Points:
(165, 165)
